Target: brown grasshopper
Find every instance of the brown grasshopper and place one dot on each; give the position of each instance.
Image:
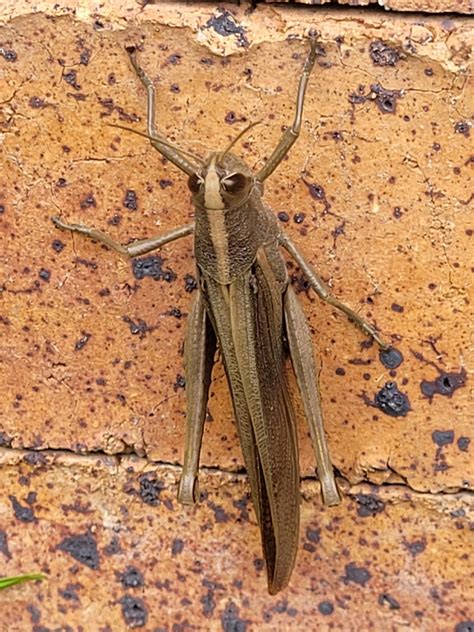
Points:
(246, 306)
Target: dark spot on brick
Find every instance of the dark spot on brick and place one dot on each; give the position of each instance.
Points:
(224, 24)
(82, 548)
(164, 184)
(445, 384)
(463, 443)
(316, 191)
(230, 620)
(174, 59)
(429, 72)
(220, 514)
(190, 283)
(391, 401)
(88, 201)
(313, 535)
(134, 611)
(35, 614)
(70, 592)
(382, 54)
(36, 102)
(462, 127)
(109, 107)
(8, 54)
(386, 599)
(283, 217)
(325, 607)
(2, 209)
(85, 56)
(24, 514)
(208, 603)
(465, 626)
(416, 547)
(130, 200)
(152, 267)
(174, 88)
(386, 100)
(115, 219)
(369, 505)
(442, 437)
(241, 505)
(175, 312)
(4, 545)
(299, 282)
(279, 608)
(113, 547)
(131, 577)
(391, 358)
(298, 218)
(340, 371)
(338, 231)
(259, 564)
(230, 118)
(81, 343)
(5, 440)
(31, 498)
(177, 546)
(79, 96)
(44, 274)
(57, 245)
(138, 327)
(356, 574)
(179, 383)
(150, 489)
(397, 308)
(70, 77)
(61, 183)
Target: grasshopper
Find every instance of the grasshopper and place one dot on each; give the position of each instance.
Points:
(246, 307)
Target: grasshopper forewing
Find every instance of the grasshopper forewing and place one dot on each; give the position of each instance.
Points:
(246, 307)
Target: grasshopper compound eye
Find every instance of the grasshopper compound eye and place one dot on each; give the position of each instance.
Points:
(234, 183)
(195, 183)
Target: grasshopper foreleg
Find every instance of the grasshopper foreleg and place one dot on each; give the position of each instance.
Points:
(136, 248)
(291, 133)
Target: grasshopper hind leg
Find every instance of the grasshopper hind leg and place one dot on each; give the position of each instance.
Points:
(199, 351)
(299, 340)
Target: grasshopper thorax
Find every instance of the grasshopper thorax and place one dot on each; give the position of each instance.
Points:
(223, 182)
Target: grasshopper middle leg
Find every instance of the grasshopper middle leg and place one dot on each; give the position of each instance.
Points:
(321, 290)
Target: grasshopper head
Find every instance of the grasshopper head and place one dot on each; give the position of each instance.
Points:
(223, 182)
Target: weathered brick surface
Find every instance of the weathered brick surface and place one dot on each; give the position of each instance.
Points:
(413, 6)
(117, 548)
(91, 356)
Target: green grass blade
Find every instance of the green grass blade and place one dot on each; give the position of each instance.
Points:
(6, 582)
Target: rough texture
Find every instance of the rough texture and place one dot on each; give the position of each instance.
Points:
(376, 193)
(120, 552)
(427, 6)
